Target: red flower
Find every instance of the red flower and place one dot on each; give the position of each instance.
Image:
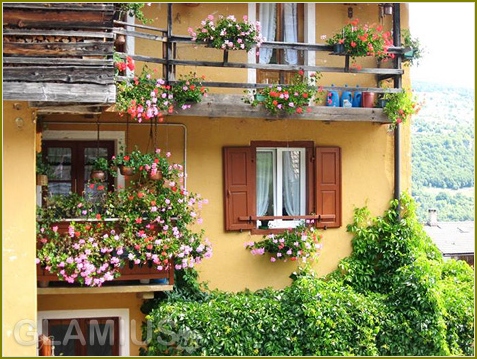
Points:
(98, 216)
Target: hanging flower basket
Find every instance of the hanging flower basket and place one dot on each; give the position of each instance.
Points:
(227, 33)
(361, 40)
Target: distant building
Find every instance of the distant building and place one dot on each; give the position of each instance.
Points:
(454, 239)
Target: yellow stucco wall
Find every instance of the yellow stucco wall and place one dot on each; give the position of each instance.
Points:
(18, 231)
(367, 179)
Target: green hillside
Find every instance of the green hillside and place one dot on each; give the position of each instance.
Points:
(443, 137)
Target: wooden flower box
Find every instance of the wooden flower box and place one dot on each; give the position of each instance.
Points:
(129, 272)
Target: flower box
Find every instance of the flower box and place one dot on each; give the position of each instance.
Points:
(129, 271)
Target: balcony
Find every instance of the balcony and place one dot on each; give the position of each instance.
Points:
(143, 279)
(59, 56)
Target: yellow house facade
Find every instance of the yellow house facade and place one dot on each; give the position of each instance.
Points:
(368, 171)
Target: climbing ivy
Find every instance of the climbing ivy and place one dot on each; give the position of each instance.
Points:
(393, 296)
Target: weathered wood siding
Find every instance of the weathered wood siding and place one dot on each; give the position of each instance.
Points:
(58, 52)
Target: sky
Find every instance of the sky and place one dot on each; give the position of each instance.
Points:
(447, 33)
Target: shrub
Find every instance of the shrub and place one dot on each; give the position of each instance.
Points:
(393, 296)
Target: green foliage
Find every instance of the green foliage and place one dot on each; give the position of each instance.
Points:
(393, 296)
(414, 44)
(101, 164)
(400, 106)
(42, 166)
(133, 9)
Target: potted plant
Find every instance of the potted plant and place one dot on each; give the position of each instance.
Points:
(149, 224)
(361, 40)
(300, 243)
(129, 162)
(400, 106)
(144, 97)
(188, 89)
(99, 169)
(288, 99)
(413, 51)
(43, 170)
(227, 33)
(131, 9)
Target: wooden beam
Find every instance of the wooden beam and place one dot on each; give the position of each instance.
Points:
(95, 48)
(78, 74)
(57, 92)
(217, 106)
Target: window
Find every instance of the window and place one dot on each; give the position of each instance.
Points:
(84, 336)
(71, 164)
(282, 182)
(284, 23)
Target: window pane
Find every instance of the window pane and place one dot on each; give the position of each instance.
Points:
(265, 183)
(291, 183)
(65, 335)
(60, 163)
(100, 338)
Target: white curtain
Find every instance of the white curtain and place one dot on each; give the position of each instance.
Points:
(268, 22)
(291, 182)
(264, 177)
(291, 31)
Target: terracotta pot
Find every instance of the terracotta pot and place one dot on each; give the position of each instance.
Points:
(157, 176)
(367, 99)
(98, 175)
(126, 171)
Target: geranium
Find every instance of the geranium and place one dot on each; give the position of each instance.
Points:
(150, 222)
(134, 159)
(227, 33)
(86, 253)
(188, 89)
(292, 98)
(144, 97)
(121, 66)
(400, 106)
(363, 39)
(300, 243)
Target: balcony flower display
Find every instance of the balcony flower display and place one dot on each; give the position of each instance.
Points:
(293, 98)
(227, 33)
(400, 106)
(144, 97)
(148, 222)
(188, 89)
(362, 39)
(300, 243)
(146, 164)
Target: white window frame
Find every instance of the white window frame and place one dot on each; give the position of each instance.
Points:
(310, 37)
(118, 137)
(121, 313)
(277, 175)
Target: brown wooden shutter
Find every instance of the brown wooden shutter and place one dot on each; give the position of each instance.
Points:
(239, 181)
(328, 186)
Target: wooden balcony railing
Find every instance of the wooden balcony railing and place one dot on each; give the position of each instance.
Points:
(59, 56)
